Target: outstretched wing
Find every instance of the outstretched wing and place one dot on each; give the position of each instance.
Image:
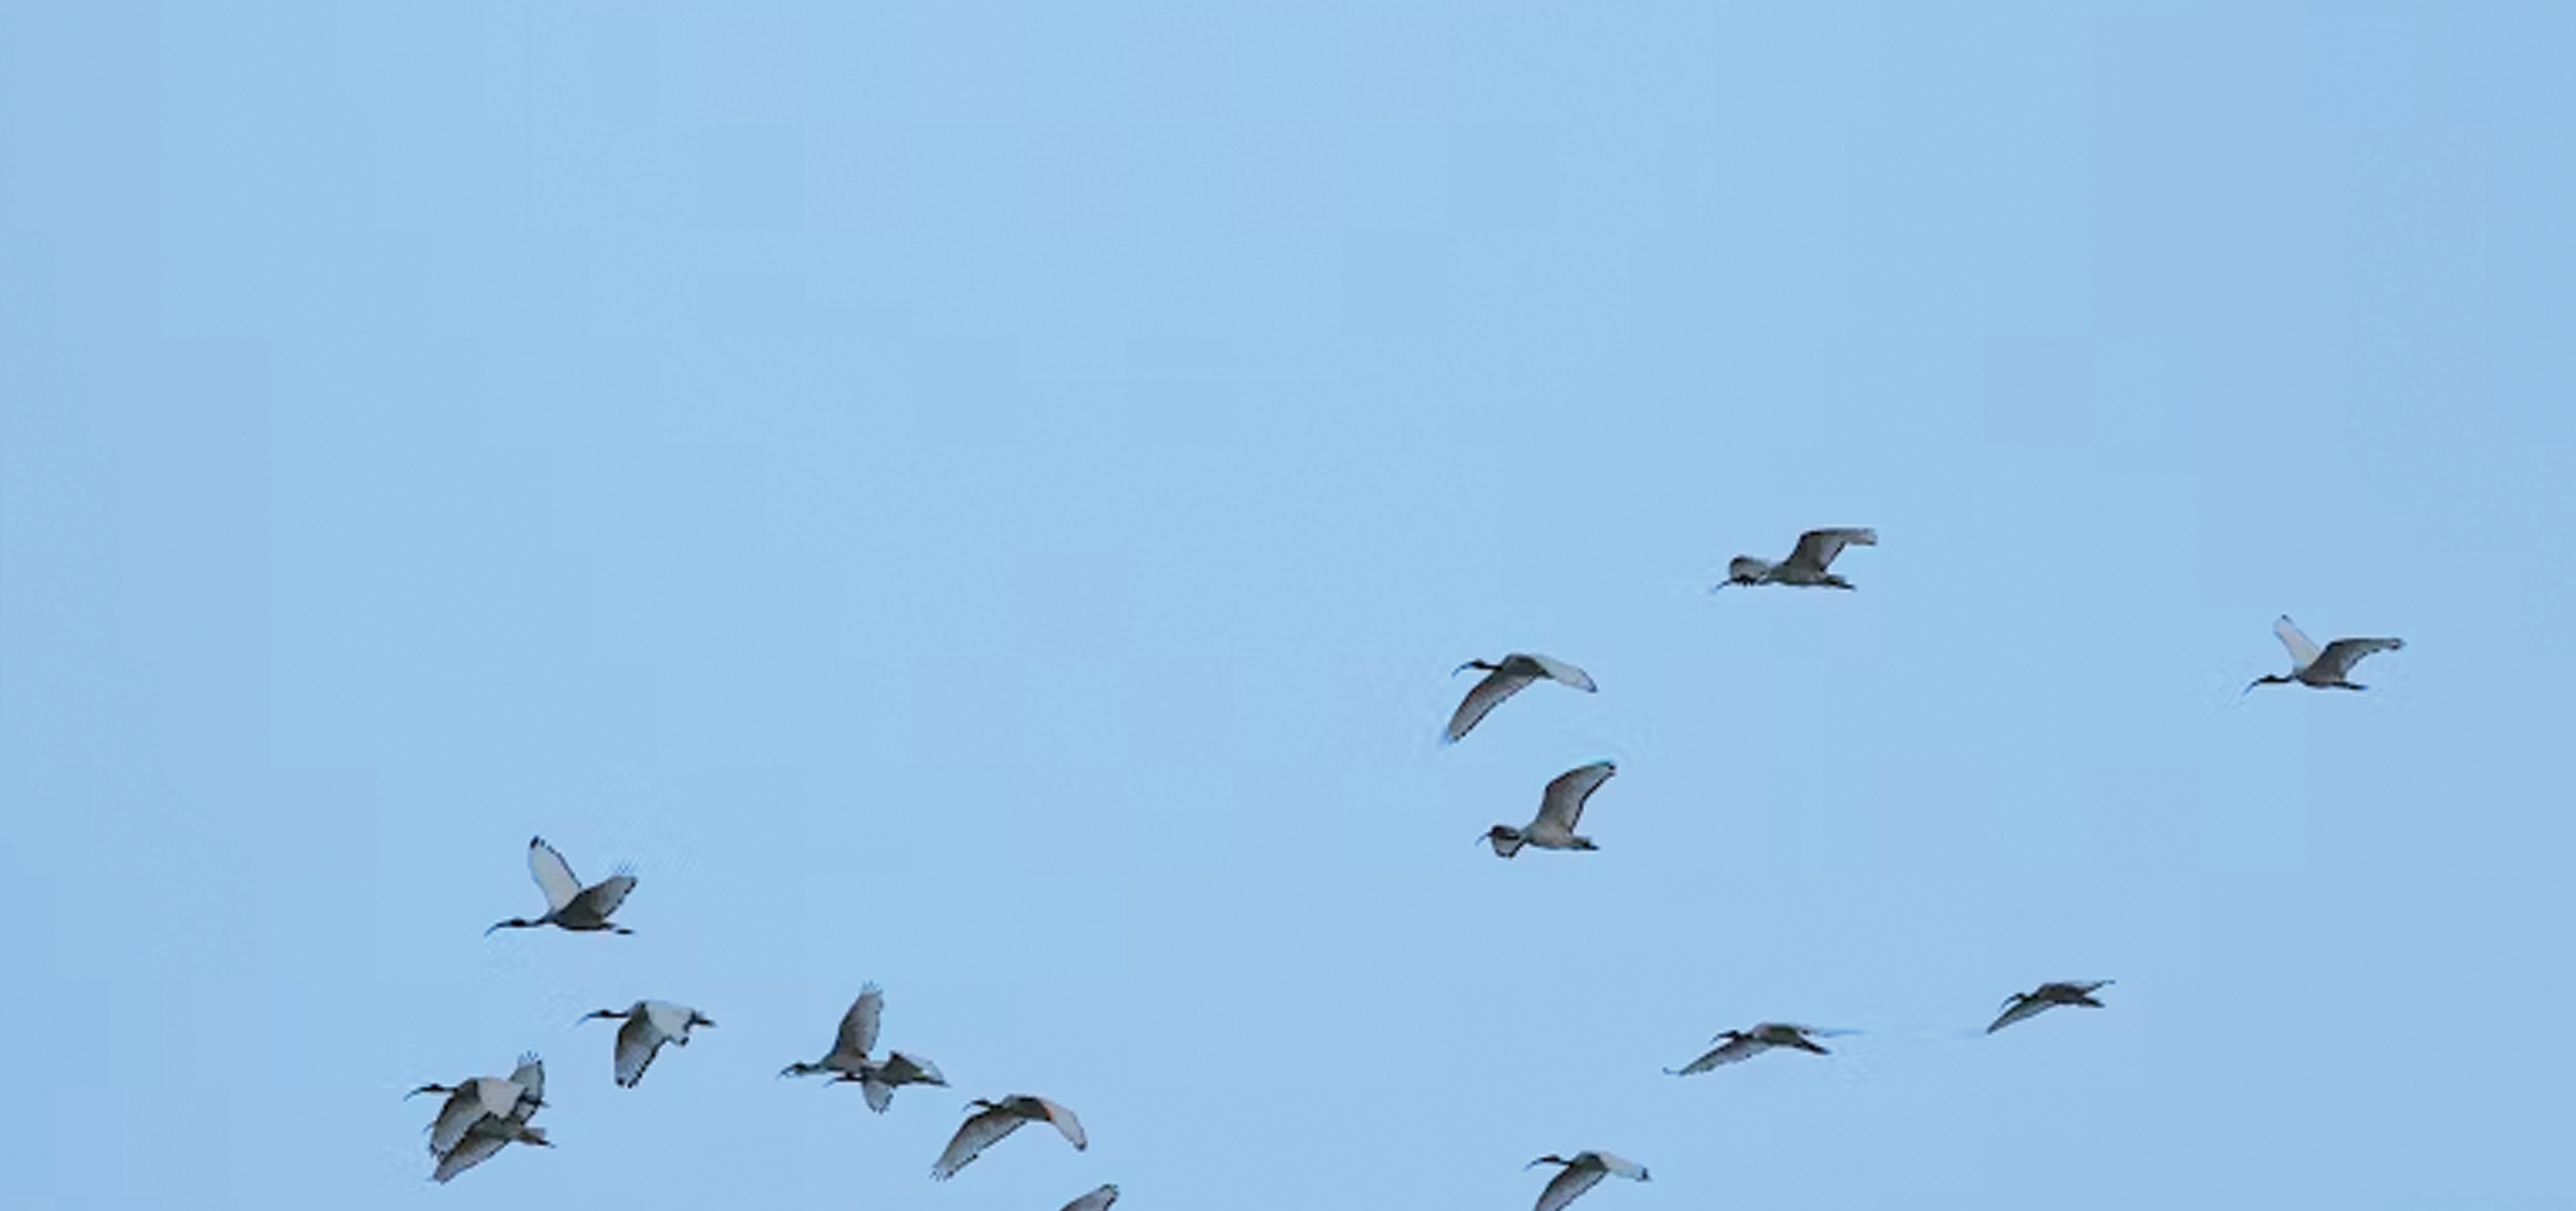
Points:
(603, 899)
(2303, 651)
(1620, 1166)
(1817, 548)
(1734, 1050)
(901, 1069)
(530, 1077)
(469, 1152)
(1064, 1122)
(2342, 654)
(1574, 1180)
(1558, 670)
(484, 1095)
(973, 1137)
(2021, 1007)
(1488, 694)
(1097, 1200)
(859, 1025)
(1562, 804)
(554, 875)
(638, 1041)
(880, 1095)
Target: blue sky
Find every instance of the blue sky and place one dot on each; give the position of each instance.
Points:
(986, 498)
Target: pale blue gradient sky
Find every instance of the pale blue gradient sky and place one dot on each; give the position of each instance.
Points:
(985, 498)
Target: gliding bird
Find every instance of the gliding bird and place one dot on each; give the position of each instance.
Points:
(1805, 566)
(1560, 807)
(1506, 678)
(2046, 997)
(1737, 1045)
(1581, 1173)
(2321, 669)
(569, 905)
(997, 1120)
(649, 1024)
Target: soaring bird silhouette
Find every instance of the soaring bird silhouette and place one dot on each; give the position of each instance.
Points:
(1738, 1045)
(995, 1120)
(2046, 997)
(1505, 678)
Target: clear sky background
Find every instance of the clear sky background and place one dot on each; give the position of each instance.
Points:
(986, 498)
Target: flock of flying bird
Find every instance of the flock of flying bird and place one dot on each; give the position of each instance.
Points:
(483, 1115)
(1560, 812)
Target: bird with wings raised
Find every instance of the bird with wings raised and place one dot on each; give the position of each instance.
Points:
(2329, 667)
(1504, 678)
(849, 1058)
(1560, 808)
(569, 905)
(1806, 566)
(994, 1121)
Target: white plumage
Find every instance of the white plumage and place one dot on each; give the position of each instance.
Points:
(2329, 667)
(569, 905)
(1806, 566)
(1560, 808)
(484, 1114)
(649, 1024)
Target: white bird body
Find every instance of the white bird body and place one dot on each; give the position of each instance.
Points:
(995, 1121)
(2329, 667)
(848, 1060)
(1582, 1172)
(1806, 566)
(1560, 808)
(1736, 1046)
(569, 905)
(468, 1104)
(1507, 677)
(484, 1114)
(649, 1024)
(2048, 996)
(1097, 1200)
